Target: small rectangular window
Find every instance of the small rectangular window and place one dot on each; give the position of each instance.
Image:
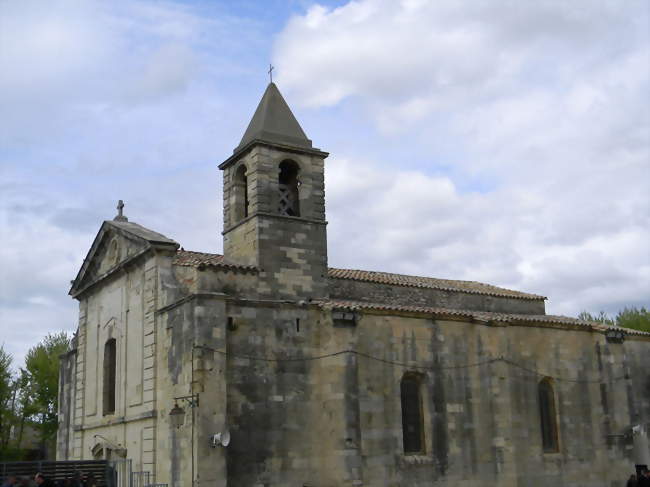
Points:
(110, 375)
(231, 324)
(547, 416)
(412, 427)
(341, 319)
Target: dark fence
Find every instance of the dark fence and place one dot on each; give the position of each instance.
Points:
(103, 472)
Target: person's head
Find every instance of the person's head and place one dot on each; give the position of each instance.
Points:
(11, 480)
(39, 478)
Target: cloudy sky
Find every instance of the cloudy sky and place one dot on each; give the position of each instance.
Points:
(498, 141)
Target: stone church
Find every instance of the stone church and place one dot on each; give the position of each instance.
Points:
(266, 367)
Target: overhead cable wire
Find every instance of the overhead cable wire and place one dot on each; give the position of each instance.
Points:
(433, 368)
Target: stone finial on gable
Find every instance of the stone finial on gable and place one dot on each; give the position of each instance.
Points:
(120, 217)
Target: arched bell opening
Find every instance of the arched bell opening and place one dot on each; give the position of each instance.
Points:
(240, 188)
(288, 186)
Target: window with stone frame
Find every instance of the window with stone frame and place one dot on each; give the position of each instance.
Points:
(110, 369)
(288, 185)
(412, 417)
(240, 189)
(547, 415)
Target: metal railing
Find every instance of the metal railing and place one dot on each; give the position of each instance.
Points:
(106, 473)
(140, 479)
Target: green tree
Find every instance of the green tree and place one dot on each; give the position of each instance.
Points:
(6, 398)
(635, 318)
(601, 317)
(41, 383)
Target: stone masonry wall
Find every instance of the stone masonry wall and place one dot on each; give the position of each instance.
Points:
(482, 423)
(336, 421)
(122, 307)
(287, 418)
(290, 251)
(67, 383)
(293, 258)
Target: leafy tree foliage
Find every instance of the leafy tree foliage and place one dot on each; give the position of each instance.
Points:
(634, 318)
(28, 398)
(42, 382)
(11, 413)
(601, 317)
(6, 393)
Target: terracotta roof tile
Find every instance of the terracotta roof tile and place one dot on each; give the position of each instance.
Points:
(189, 258)
(196, 259)
(475, 315)
(471, 287)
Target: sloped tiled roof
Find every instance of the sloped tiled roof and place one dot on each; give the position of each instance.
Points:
(189, 258)
(475, 315)
(142, 232)
(196, 259)
(429, 282)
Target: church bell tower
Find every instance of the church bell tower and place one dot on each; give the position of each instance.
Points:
(274, 204)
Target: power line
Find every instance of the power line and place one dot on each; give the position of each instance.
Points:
(433, 368)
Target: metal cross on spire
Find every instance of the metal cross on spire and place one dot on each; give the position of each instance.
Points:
(271, 68)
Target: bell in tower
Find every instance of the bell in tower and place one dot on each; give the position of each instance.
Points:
(274, 203)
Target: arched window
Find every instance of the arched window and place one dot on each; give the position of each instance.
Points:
(288, 184)
(547, 415)
(109, 376)
(412, 425)
(241, 193)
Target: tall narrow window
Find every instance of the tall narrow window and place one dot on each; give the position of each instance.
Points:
(109, 376)
(547, 416)
(412, 426)
(240, 189)
(288, 186)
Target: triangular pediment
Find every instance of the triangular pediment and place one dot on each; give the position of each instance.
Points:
(116, 244)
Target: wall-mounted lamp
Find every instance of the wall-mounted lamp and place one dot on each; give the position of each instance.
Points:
(615, 335)
(177, 414)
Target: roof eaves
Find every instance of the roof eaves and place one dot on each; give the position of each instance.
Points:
(188, 258)
(485, 317)
(425, 285)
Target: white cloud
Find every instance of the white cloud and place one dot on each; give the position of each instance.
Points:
(546, 100)
(407, 59)
(102, 101)
(413, 223)
(504, 142)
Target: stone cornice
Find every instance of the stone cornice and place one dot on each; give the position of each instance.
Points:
(286, 148)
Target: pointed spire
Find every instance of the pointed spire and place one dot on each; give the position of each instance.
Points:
(274, 122)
